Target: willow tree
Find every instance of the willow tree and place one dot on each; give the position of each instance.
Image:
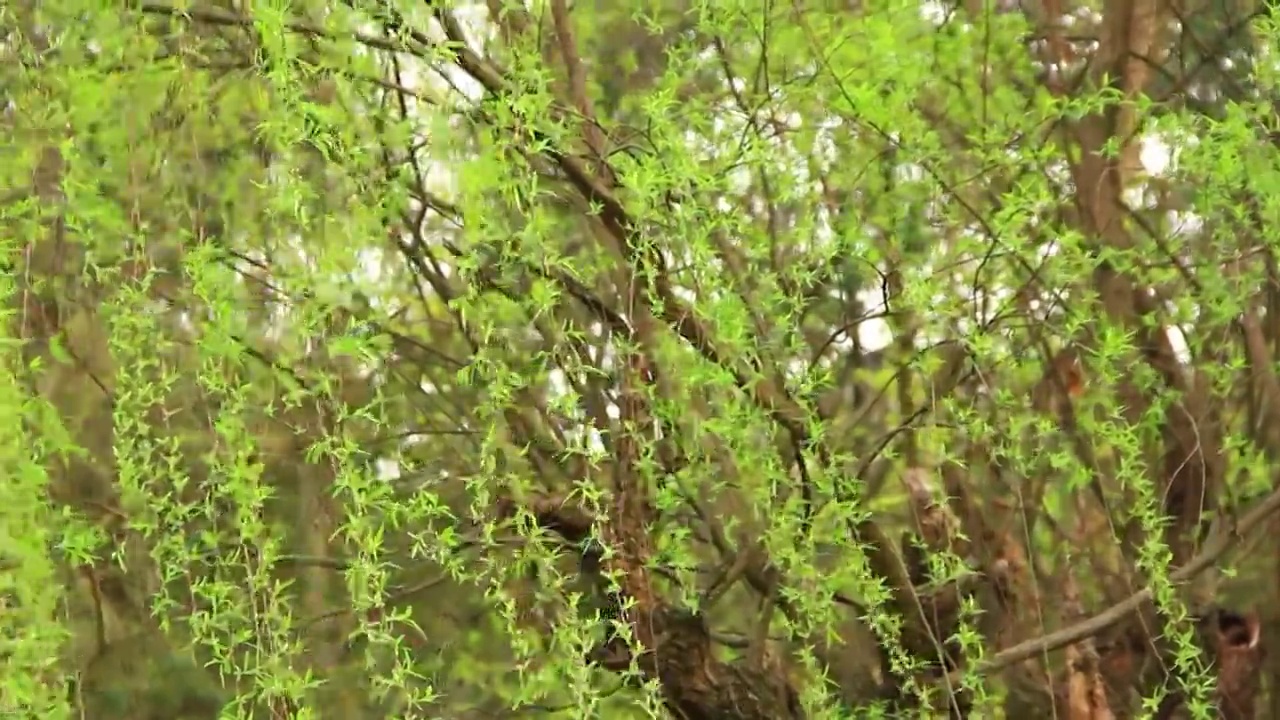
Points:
(672, 359)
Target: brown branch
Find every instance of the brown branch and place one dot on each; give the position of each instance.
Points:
(1216, 547)
(215, 16)
(591, 131)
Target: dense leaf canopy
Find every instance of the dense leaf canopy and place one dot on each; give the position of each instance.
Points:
(701, 359)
